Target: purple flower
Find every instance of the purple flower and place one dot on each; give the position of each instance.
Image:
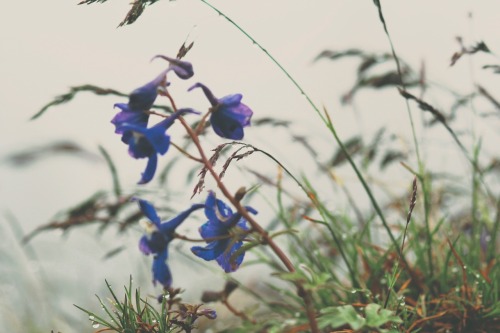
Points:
(149, 142)
(224, 233)
(143, 98)
(228, 114)
(183, 69)
(158, 236)
(140, 101)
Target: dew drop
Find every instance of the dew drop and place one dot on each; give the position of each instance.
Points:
(91, 317)
(95, 325)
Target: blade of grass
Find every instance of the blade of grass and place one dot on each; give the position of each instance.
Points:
(421, 168)
(112, 168)
(324, 118)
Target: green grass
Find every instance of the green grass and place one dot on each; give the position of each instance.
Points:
(428, 268)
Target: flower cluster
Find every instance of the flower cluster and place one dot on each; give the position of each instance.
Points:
(225, 231)
(157, 238)
(228, 116)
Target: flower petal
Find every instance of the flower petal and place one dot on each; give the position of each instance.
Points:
(231, 100)
(149, 173)
(143, 97)
(161, 272)
(210, 206)
(226, 127)
(211, 98)
(144, 245)
(170, 226)
(251, 210)
(127, 115)
(224, 260)
(212, 250)
(182, 69)
(149, 211)
(212, 229)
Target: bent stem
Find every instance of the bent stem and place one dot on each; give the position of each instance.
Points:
(301, 291)
(326, 121)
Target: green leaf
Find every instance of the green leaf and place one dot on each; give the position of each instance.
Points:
(340, 316)
(376, 317)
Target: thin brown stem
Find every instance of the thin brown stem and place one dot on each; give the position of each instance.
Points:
(237, 313)
(185, 153)
(303, 293)
(201, 124)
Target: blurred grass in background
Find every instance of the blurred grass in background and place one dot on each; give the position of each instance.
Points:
(350, 256)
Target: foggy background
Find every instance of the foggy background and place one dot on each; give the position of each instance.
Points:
(49, 46)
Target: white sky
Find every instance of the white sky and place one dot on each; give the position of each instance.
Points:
(48, 46)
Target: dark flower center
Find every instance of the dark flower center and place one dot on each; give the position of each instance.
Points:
(158, 241)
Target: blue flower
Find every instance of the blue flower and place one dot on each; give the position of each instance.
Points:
(143, 98)
(140, 101)
(159, 235)
(224, 233)
(183, 69)
(149, 142)
(228, 115)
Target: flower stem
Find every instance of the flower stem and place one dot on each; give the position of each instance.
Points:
(303, 293)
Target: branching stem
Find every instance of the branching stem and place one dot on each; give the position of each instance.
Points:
(304, 294)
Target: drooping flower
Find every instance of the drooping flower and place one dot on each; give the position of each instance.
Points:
(140, 101)
(143, 98)
(183, 69)
(157, 238)
(224, 233)
(149, 142)
(228, 115)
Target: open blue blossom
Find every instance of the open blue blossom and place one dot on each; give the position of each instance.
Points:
(224, 233)
(228, 115)
(158, 235)
(149, 142)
